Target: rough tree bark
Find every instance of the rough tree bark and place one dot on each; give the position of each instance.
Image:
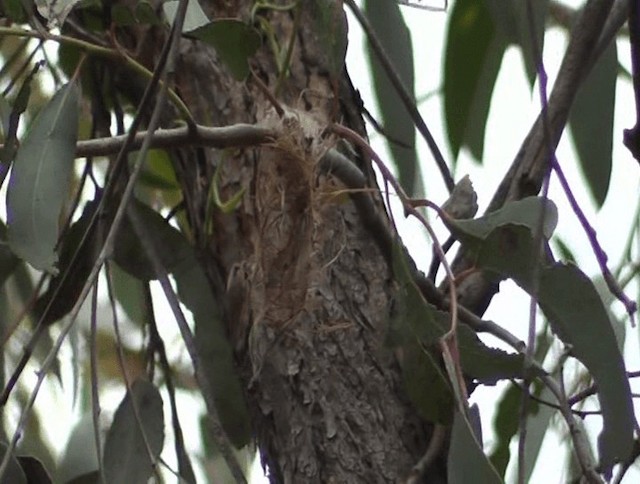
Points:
(325, 394)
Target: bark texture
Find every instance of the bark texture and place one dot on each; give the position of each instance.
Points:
(325, 394)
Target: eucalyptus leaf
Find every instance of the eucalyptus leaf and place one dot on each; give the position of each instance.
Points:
(577, 315)
(466, 457)
(474, 52)
(392, 32)
(129, 440)
(40, 180)
(194, 290)
(591, 121)
(235, 42)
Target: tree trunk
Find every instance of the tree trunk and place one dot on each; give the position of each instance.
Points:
(325, 395)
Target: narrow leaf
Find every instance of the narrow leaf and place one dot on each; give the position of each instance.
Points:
(392, 32)
(214, 350)
(78, 255)
(473, 57)
(591, 121)
(234, 41)
(194, 290)
(512, 20)
(577, 315)
(426, 384)
(126, 455)
(466, 457)
(39, 182)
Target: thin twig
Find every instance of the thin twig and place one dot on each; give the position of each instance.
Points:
(234, 136)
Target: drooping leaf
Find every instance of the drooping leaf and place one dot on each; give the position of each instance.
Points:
(474, 53)
(194, 290)
(14, 473)
(466, 457)
(537, 426)
(577, 315)
(194, 16)
(417, 328)
(78, 255)
(505, 426)
(426, 384)
(591, 121)
(513, 21)
(131, 256)
(39, 182)
(129, 292)
(235, 42)
(126, 455)
(214, 350)
(392, 32)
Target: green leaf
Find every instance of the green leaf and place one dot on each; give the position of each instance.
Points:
(126, 455)
(146, 14)
(526, 213)
(577, 315)
(158, 171)
(14, 473)
(79, 252)
(473, 56)
(416, 329)
(512, 20)
(214, 350)
(194, 290)
(129, 292)
(194, 16)
(14, 10)
(122, 16)
(131, 256)
(466, 457)
(485, 364)
(591, 121)
(234, 41)
(426, 384)
(572, 304)
(40, 178)
(392, 32)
